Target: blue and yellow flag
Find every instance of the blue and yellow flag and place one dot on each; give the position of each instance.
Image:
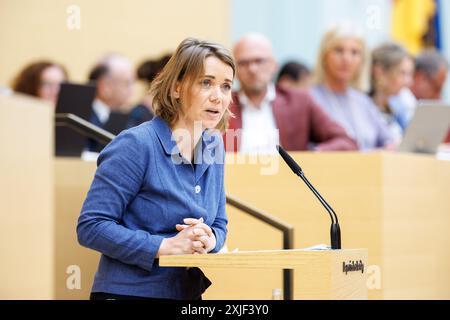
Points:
(414, 23)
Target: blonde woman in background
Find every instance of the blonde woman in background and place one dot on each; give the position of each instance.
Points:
(340, 77)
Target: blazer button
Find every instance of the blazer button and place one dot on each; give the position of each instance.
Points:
(197, 189)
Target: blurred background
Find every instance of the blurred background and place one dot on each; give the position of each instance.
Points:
(77, 33)
(394, 204)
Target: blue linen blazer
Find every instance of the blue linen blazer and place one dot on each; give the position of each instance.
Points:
(139, 193)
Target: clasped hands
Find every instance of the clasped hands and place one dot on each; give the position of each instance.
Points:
(194, 237)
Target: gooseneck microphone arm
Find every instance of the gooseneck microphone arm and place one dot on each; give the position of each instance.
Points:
(335, 232)
(329, 209)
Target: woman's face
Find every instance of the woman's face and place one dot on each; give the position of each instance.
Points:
(210, 95)
(343, 60)
(51, 79)
(399, 77)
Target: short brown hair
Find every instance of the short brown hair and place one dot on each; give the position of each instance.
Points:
(185, 66)
(29, 79)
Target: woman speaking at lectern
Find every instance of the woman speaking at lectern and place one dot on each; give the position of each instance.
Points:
(159, 187)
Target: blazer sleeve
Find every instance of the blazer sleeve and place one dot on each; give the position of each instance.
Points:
(326, 132)
(122, 166)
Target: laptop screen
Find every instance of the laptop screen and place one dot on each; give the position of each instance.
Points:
(427, 129)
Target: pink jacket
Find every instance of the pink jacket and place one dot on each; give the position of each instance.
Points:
(299, 120)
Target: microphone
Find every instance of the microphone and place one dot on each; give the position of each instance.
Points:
(335, 231)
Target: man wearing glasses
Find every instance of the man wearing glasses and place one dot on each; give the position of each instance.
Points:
(265, 115)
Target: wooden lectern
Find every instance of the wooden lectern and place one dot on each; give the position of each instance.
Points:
(327, 274)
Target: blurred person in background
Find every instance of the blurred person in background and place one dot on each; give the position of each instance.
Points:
(431, 69)
(146, 72)
(430, 76)
(294, 75)
(266, 115)
(114, 79)
(340, 78)
(41, 79)
(392, 70)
